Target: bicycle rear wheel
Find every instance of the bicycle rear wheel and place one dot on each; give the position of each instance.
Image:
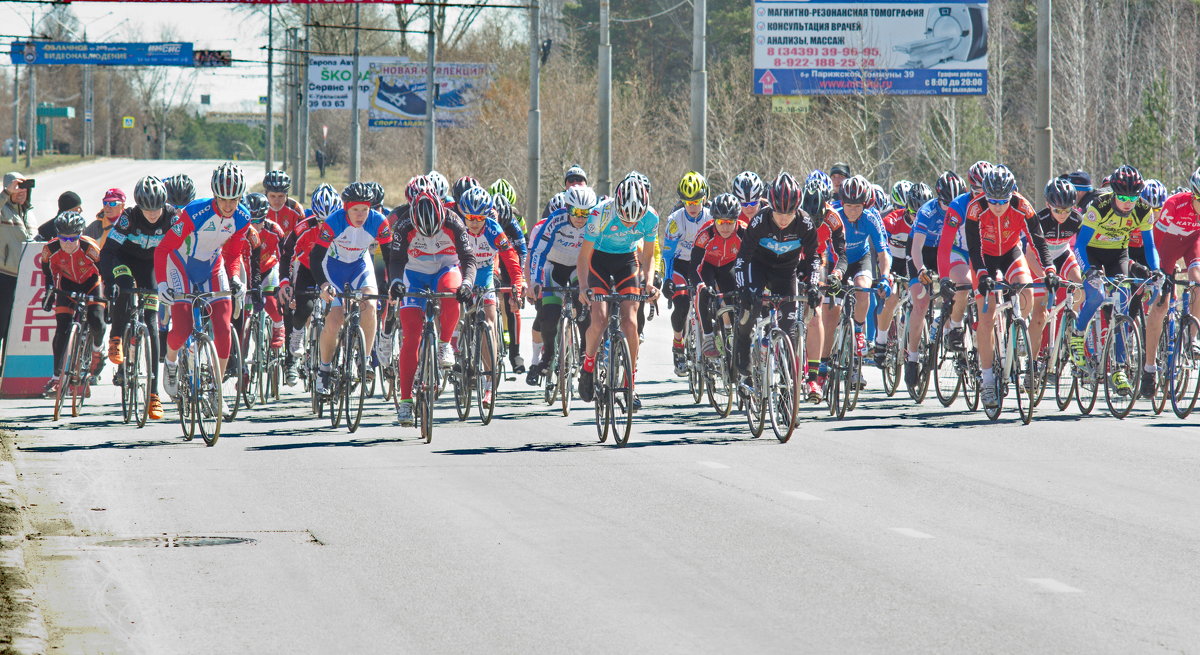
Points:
(1060, 362)
(926, 356)
(484, 354)
(1185, 380)
(692, 352)
(462, 376)
(568, 362)
(601, 392)
(253, 351)
(1162, 358)
(208, 390)
(755, 399)
(1022, 377)
(783, 386)
(1123, 357)
(139, 362)
(620, 397)
(719, 382)
(233, 384)
(998, 380)
(183, 396)
(848, 372)
(354, 387)
(893, 363)
(944, 362)
(82, 375)
(1087, 379)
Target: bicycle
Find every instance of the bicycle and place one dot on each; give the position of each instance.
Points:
(76, 375)
(1012, 360)
(897, 343)
(718, 371)
(427, 382)
(693, 348)
(563, 367)
(613, 375)
(474, 372)
(1055, 358)
(348, 368)
(312, 342)
(139, 367)
(1113, 346)
(1181, 368)
(774, 371)
(845, 361)
(200, 393)
(955, 370)
(263, 364)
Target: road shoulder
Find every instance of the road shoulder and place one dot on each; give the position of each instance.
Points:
(22, 628)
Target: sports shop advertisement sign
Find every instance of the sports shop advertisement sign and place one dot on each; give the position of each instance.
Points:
(827, 47)
(399, 96)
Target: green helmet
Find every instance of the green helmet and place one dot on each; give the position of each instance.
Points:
(504, 188)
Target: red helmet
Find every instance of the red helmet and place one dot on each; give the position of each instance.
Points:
(785, 193)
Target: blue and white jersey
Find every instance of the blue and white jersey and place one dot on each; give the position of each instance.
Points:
(608, 233)
(863, 235)
(556, 241)
(347, 243)
(682, 229)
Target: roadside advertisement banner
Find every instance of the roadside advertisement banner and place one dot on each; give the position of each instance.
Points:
(329, 80)
(101, 54)
(399, 96)
(28, 352)
(826, 47)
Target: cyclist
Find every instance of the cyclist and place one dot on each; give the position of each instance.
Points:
(296, 272)
(898, 200)
(994, 225)
(270, 236)
(129, 254)
(553, 257)
(923, 251)
(97, 230)
(838, 173)
(748, 189)
(898, 225)
(1176, 237)
(616, 262)
(488, 242)
(1085, 193)
(69, 264)
(831, 252)
(1060, 221)
(575, 176)
(864, 233)
(1102, 248)
(778, 250)
(181, 190)
(682, 226)
(431, 253)
(715, 248)
(190, 259)
(505, 200)
(441, 186)
(341, 260)
(953, 259)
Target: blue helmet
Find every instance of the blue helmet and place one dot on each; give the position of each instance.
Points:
(325, 201)
(476, 201)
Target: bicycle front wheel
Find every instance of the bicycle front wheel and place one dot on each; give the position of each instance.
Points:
(354, 379)
(719, 382)
(620, 397)
(783, 387)
(427, 384)
(1060, 362)
(233, 384)
(998, 380)
(140, 368)
(252, 364)
(601, 392)
(849, 366)
(1123, 365)
(462, 376)
(127, 408)
(568, 362)
(1162, 360)
(944, 362)
(1021, 377)
(65, 381)
(1184, 383)
(484, 356)
(208, 396)
(692, 353)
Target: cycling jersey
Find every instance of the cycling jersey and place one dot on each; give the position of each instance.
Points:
(78, 267)
(288, 216)
(997, 236)
(1107, 229)
(1178, 215)
(448, 248)
(271, 236)
(298, 246)
(490, 243)
(608, 233)
(898, 228)
(682, 229)
(1059, 236)
(554, 240)
(863, 235)
(712, 250)
(952, 244)
(767, 244)
(831, 239)
(135, 237)
(347, 243)
(192, 251)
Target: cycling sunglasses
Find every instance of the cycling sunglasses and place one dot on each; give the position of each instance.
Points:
(724, 221)
(476, 217)
(752, 203)
(112, 203)
(1060, 210)
(579, 212)
(68, 239)
(1128, 198)
(999, 201)
(693, 203)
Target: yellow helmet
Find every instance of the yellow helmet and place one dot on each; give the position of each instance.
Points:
(692, 186)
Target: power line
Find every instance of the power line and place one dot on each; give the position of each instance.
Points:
(665, 11)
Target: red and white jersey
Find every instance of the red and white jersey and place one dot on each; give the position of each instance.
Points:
(1178, 215)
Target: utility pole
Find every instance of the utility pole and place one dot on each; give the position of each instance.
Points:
(355, 137)
(89, 130)
(270, 87)
(108, 113)
(1043, 149)
(431, 93)
(31, 146)
(287, 100)
(699, 86)
(532, 211)
(605, 113)
(16, 113)
(303, 158)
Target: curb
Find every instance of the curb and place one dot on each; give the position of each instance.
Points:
(22, 619)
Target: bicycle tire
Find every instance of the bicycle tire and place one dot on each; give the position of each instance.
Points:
(566, 361)
(140, 358)
(82, 374)
(1022, 377)
(1123, 332)
(1085, 387)
(691, 351)
(354, 387)
(999, 340)
(847, 378)
(462, 375)
(719, 386)
(1060, 362)
(1162, 357)
(1185, 381)
(208, 390)
(946, 382)
(891, 359)
(926, 355)
(783, 373)
(426, 391)
(755, 406)
(233, 384)
(251, 365)
(601, 391)
(620, 398)
(487, 371)
(183, 398)
(64, 376)
(127, 410)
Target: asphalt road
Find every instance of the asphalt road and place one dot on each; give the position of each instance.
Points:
(901, 529)
(91, 179)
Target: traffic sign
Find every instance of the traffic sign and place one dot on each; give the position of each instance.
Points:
(87, 116)
(127, 121)
(262, 100)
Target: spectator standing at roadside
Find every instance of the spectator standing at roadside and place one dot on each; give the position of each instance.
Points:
(16, 227)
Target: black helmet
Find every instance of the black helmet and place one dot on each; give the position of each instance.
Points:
(726, 206)
(949, 186)
(357, 192)
(1060, 193)
(180, 189)
(503, 208)
(999, 183)
(150, 193)
(69, 223)
(377, 194)
(277, 181)
(784, 194)
(257, 204)
(1126, 181)
(460, 187)
(918, 194)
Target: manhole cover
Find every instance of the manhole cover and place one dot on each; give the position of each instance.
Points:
(170, 541)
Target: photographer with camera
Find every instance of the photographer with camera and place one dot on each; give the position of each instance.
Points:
(16, 227)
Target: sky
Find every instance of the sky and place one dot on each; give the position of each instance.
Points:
(209, 26)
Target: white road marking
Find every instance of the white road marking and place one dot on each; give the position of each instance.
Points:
(713, 465)
(800, 495)
(909, 532)
(1050, 584)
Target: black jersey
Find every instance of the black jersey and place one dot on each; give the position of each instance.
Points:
(134, 237)
(777, 247)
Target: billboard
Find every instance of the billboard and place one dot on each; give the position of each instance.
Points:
(329, 80)
(826, 47)
(101, 54)
(29, 358)
(399, 96)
